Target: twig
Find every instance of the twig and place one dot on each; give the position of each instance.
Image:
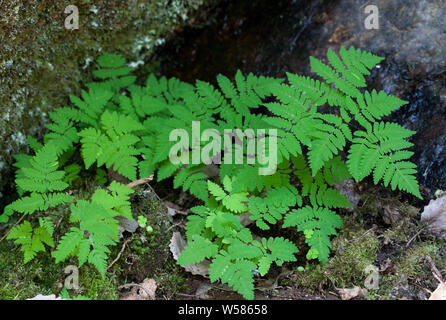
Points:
(174, 225)
(156, 195)
(373, 228)
(413, 238)
(434, 269)
(20, 220)
(119, 254)
(58, 223)
(140, 181)
(422, 288)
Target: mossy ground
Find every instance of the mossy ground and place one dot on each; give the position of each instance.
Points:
(146, 256)
(397, 249)
(396, 246)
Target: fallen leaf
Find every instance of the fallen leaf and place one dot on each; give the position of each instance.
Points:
(173, 210)
(143, 291)
(177, 244)
(439, 293)
(42, 297)
(126, 225)
(173, 206)
(355, 292)
(386, 266)
(245, 220)
(202, 291)
(435, 214)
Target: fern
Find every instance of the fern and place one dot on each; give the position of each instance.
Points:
(113, 69)
(118, 126)
(234, 253)
(98, 228)
(234, 202)
(317, 224)
(39, 178)
(115, 147)
(31, 240)
(269, 210)
(381, 150)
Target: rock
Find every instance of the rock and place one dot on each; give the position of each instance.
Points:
(41, 62)
(435, 214)
(272, 38)
(348, 189)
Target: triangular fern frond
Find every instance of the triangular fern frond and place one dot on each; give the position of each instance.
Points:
(318, 224)
(31, 240)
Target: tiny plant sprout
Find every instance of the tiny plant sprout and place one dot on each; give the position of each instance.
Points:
(142, 221)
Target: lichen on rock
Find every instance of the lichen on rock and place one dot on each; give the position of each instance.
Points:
(42, 62)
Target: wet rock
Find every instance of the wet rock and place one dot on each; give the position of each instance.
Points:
(41, 62)
(348, 189)
(272, 38)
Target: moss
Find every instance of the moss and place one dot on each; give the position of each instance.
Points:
(354, 249)
(93, 286)
(21, 281)
(146, 256)
(41, 62)
(42, 276)
(411, 274)
(411, 265)
(150, 252)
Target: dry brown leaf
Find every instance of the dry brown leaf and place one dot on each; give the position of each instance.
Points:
(143, 291)
(439, 293)
(177, 244)
(435, 214)
(42, 297)
(355, 292)
(173, 206)
(245, 220)
(386, 266)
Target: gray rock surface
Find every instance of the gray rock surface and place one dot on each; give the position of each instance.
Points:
(275, 37)
(41, 62)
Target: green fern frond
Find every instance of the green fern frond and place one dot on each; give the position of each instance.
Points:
(234, 201)
(237, 274)
(318, 224)
(31, 240)
(197, 250)
(115, 147)
(97, 230)
(382, 151)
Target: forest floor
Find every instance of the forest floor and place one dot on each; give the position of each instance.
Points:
(382, 246)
